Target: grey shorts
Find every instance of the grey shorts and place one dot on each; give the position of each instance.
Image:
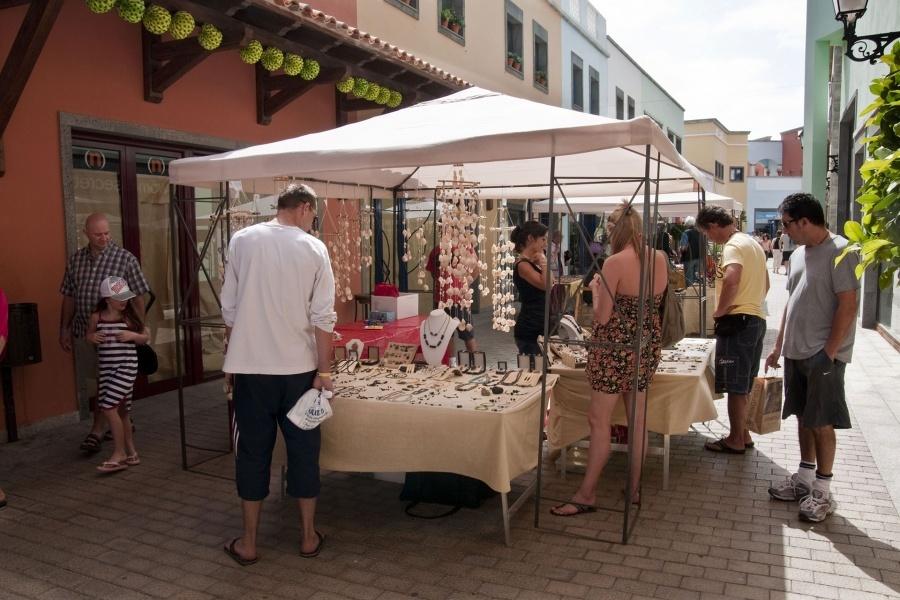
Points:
(814, 391)
(738, 356)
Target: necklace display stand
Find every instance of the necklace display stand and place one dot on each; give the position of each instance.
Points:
(435, 334)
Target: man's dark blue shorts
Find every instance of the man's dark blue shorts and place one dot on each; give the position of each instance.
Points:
(738, 356)
(261, 404)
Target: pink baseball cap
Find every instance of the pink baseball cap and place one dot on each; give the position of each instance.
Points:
(116, 288)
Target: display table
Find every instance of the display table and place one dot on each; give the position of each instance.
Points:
(385, 421)
(681, 394)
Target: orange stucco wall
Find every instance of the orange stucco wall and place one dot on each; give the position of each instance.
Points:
(91, 65)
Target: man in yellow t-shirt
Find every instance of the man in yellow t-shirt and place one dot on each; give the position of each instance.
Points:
(743, 281)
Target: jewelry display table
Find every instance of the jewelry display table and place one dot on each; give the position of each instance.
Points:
(681, 394)
(388, 421)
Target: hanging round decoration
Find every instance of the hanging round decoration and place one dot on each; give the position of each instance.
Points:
(131, 11)
(360, 86)
(293, 64)
(157, 19)
(252, 52)
(344, 85)
(383, 96)
(395, 99)
(210, 37)
(100, 6)
(182, 25)
(310, 69)
(272, 58)
(373, 91)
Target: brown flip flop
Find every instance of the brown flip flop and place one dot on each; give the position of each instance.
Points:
(318, 547)
(580, 509)
(721, 447)
(230, 551)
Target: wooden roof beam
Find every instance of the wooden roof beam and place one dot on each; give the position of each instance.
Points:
(23, 55)
(274, 92)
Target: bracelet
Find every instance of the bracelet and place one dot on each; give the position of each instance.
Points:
(324, 375)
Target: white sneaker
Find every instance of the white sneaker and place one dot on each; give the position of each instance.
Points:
(815, 507)
(790, 490)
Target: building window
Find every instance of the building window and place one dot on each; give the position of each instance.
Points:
(720, 171)
(736, 174)
(620, 104)
(577, 83)
(451, 19)
(678, 144)
(410, 7)
(515, 47)
(630, 107)
(541, 61)
(593, 91)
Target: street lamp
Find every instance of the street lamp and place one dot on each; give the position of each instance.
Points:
(865, 47)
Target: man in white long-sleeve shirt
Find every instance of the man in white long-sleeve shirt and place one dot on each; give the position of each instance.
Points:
(278, 306)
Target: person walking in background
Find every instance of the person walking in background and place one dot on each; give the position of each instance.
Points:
(787, 248)
(530, 240)
(80, 288)
(689, 247)
(777, 257)
(115, 328)
(611, 370)
(740, 321)
(555, 259)
(278, 308)
(816, 337)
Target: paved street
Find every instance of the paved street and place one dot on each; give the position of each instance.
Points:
(156, 531)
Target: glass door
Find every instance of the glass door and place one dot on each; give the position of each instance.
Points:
(129, 181)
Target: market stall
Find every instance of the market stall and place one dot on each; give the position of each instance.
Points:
(681, 394)
(465, 148)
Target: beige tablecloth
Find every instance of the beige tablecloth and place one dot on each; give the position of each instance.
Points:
(366, 435)
(675, 402)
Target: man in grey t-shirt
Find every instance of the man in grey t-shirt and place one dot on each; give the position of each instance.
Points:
(816, 338)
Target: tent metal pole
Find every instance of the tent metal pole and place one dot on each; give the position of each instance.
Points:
(637, 347)
(545, 364)
(176, 279)
(702, 270)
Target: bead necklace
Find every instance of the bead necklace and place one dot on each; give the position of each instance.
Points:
(431, 335)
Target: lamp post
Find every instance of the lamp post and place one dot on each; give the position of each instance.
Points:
(864, 47)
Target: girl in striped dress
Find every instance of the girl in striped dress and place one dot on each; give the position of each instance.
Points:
(115, 328)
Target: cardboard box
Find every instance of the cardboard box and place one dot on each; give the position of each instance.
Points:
(403, 306)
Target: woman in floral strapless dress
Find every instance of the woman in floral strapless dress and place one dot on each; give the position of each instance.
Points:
(610, 367)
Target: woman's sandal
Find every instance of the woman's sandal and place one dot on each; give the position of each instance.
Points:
(133, 460)
(111, 466)
(580, 509)
(91, 444)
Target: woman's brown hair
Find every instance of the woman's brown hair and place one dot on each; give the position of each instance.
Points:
(132, 319)
(627, 228)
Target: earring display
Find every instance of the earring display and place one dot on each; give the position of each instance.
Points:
(398, 354)
(344, 256)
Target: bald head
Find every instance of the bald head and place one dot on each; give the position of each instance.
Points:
(96, 229)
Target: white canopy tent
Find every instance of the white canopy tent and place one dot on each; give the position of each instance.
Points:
(504, 143)
(678, 204)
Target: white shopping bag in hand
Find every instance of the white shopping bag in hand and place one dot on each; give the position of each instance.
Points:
(311, 409)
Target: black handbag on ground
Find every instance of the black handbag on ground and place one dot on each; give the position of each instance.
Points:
(449, 489)
(728, 325)
(148, 363)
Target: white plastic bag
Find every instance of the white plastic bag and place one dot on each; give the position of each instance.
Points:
(311, 409)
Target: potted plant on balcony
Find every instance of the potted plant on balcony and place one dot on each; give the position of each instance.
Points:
(510, 58)
(456, 25)
(516, 62)
(541, 78)
(447, 17)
